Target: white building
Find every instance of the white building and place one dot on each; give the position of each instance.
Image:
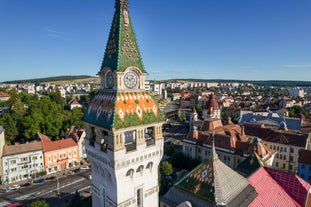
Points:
(296, 92)
(124, 141)
(2, 143)
(22, 161)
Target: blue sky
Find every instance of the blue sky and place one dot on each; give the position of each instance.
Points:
(226, 39)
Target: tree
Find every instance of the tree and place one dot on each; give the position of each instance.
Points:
(76, 200)
(166, 168)
(39, 203)
(10, 127)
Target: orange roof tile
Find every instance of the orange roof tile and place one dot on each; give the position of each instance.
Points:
(59, 144)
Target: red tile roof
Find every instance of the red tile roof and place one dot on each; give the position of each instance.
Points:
(59, 144)
(276, 188)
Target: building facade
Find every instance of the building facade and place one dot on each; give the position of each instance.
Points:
(22, 161)
(124, 141)
(59, 155)
(304, 165)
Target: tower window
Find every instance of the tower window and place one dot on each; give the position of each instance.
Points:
(130, 173)
(140, 169)
(139, 195)
(130, 140)
(149, 166)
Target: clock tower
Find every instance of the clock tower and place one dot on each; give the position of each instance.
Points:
(124, 141)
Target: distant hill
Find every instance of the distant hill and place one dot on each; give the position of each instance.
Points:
(276, 83)
(56, 79)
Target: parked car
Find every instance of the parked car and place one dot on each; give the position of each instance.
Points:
(14, 187)
(25, 184)
(41, 180)
(4, 190)
(84, 167)
(15, 205)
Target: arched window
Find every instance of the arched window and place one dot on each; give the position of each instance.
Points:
(130, 173)
(140, 169)
(149, 166)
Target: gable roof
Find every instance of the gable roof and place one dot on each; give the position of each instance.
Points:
(292, 123)
(276, 188)
(215, 183)
(58, 145)
(122, 50)
(122, 109)
(277, 136)
(21, 148)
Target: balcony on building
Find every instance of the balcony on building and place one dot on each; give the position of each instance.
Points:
(149, 136)
(130, 140)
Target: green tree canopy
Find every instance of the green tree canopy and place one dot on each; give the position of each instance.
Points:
(39, 203)
(166, 168)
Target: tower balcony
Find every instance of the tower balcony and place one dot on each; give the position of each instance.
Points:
(150, 141)
(130, 146)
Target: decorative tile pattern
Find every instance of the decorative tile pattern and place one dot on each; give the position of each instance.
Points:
(122, 109)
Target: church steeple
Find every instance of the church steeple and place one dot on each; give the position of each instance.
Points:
(122, 50)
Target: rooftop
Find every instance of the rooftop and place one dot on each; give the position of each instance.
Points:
(21, 148)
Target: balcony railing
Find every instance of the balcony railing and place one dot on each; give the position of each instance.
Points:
(130, 146)
(150, 142)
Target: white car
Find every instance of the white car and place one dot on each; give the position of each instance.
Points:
(84, 167)
(14, 187)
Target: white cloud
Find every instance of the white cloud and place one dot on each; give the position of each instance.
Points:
(55, 34)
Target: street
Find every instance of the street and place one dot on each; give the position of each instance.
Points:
(68, 184)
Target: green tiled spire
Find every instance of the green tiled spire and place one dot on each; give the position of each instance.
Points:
(122, 49)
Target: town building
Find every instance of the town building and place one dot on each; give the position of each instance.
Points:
(59, 155)
(78, 135)
(124, 142)
(231, 143)
(2, 143)
(211, 108)
(4, 96)
(296, 92)
(22, 161)
(304, 165)
(287, 144)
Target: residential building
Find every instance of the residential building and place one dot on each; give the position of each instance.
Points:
(4, 96)
(124, 141)
(304, 165)
(22, 161)
(231, 143)
(59, 155)
(2, 143)
(78, 135)
(269, 119)
(74, 103)
(296, 92)
(287, 144)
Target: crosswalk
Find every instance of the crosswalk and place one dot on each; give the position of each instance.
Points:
(40, 194)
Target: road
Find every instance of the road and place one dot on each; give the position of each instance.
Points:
(176, 133)
(48, 191)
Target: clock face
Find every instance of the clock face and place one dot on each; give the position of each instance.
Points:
(130, 79)
(109, 79)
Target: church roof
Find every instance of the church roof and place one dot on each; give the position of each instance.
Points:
(122, 49)
(212, 103)
(215, 183)
(112, 109)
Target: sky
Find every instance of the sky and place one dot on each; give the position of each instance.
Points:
(206, 39)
